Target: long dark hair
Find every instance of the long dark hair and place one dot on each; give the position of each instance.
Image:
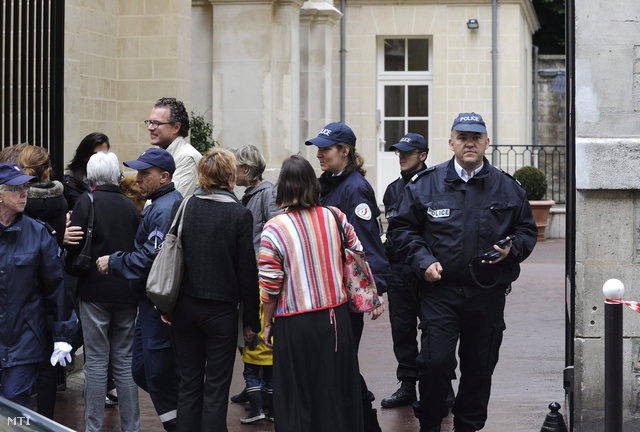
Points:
(298, 186)
(78, 165)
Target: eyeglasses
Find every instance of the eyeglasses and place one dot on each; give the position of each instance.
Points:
(155, 124)
(19, 189)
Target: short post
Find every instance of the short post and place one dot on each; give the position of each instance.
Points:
(613, 289)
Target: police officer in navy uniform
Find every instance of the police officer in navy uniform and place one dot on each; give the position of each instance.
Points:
(447, 217)
(402, 291)
(32, 285)
(154, 367)
(343, 185)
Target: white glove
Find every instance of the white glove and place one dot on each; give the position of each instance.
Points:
(61, 352)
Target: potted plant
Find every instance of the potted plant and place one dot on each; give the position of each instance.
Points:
(534, 182)
(201, 132)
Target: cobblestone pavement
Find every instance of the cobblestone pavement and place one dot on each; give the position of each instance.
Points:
(528, 376)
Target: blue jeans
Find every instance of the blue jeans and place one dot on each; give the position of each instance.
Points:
(258, 376)
(108, 338)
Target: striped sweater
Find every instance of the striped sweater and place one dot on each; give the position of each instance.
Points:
(300, 264)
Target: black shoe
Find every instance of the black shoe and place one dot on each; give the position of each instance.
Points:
(405, 395)
(112, 395)
(241, 397)
(108, 403)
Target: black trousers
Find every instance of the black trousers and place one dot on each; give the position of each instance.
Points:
(478, 322)
(205, 336)
(404, 313)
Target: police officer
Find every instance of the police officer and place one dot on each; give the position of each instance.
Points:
(31, 284)
(402, 292)
(447, 217)
(153, 364)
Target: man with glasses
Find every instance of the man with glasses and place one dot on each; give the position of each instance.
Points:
(168, 126)
(402, 292)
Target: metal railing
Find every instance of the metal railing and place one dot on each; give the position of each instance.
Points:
(549, 158)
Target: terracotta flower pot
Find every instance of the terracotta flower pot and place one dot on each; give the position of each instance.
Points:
(540, 210)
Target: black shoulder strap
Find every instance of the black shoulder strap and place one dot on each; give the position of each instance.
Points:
(91, 217)
(343, 236)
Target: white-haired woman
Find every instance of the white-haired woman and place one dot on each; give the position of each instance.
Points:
(108, 307)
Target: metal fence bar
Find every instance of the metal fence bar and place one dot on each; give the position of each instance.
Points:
(550, 159)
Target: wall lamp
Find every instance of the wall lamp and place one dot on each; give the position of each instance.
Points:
(473, 24)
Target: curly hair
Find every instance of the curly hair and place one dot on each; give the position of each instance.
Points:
(177, 113)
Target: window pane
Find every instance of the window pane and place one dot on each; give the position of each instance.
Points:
(418, 101)
(393, 131)
(394, 54)
(420, 127)
(394, 101)
(418, 50)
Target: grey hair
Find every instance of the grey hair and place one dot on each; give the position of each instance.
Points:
(250, 156)
(3, 187)
(103, 168)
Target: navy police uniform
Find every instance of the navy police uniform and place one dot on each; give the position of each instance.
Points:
(440, 218)
(154, 366)
(31, 279)
(402, 293)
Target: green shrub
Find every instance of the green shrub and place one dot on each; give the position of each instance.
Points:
(201, 132)
(534, 182)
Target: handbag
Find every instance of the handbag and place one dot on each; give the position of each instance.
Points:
(357, 277)
(78, 265)
(165, 276)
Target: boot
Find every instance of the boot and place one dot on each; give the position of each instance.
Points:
(255, 411)
(267, 405)
(240, 397)
(405, 395)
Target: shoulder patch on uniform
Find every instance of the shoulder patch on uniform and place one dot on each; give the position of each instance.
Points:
(363, 211)
(511, 177)
(419, 174)
(156, 233)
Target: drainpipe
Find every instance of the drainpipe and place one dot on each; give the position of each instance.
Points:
(343, 58)
(494, 77)
(535, 96)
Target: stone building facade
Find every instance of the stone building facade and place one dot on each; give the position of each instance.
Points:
(267, 72)
(607, 113)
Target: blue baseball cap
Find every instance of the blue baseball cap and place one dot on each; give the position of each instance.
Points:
(11, 174)
(469, 122)
(411, 141)
(334, 133)
(154, 157)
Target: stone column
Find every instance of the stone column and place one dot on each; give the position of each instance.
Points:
(256, 76)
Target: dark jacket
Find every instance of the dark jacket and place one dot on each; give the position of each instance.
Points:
(442, 218)
(47, 203)
(154, 222)
(399, 269)
(73, 189)
(31, 275)
(116, 221)
(220, 262)
(352, 194)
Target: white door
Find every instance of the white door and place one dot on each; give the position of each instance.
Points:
(404, 100)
